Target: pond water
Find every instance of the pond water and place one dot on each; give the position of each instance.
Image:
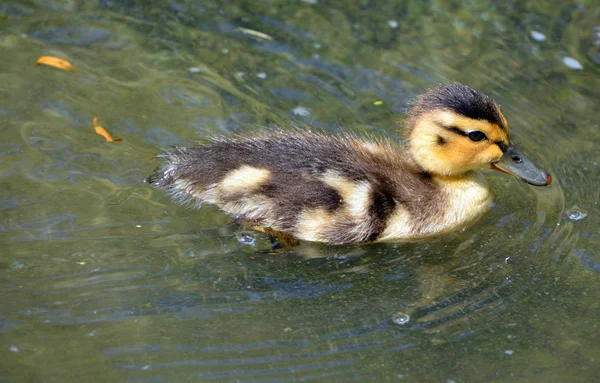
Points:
(103, 279)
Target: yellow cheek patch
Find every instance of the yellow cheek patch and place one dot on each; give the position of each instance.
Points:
(442, 151)
(244, 180)
(492, 153)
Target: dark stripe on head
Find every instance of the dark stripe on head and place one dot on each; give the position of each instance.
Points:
(460, 99)
(454, 129)
(502, 146)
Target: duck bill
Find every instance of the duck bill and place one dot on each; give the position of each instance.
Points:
(515, 163)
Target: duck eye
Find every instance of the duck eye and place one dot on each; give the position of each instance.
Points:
(476, 135)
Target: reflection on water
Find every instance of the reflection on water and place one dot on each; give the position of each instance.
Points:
(104, 279)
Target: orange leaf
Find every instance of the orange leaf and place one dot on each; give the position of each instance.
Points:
(55, 62)
(101, 131)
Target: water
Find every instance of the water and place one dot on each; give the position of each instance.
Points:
(103, 279)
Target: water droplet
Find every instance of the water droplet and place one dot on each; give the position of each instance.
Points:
(537, 36)
(301, 111)
(262, 75)
(13, 348)
(509, 352)
(572, 63)
(400, 318)
(576, 215)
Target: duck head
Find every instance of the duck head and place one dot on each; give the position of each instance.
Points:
(452, 129)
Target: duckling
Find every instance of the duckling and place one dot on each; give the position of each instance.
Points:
(348, 189)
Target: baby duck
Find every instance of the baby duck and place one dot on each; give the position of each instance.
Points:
(347, 189)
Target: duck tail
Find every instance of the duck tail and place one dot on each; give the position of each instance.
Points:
(178, 176)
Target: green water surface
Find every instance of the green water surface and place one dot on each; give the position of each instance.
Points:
(103, 279)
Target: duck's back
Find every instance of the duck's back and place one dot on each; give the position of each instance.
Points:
(310, 185)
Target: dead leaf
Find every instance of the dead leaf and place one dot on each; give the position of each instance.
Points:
(101, 131)
(55, 62)
(252, 32)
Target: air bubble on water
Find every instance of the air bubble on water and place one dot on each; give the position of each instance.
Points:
(400, 318)
(301, 111)
(246, 239)
(576, 215)
(572, 63)
(537, 36)
(16, 265)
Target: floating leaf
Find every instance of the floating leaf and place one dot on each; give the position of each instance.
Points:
(101, 131)
(55, 62)
(254, 33)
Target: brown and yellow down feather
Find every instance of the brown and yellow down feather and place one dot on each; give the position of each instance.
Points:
(348, 189)
(310, 185)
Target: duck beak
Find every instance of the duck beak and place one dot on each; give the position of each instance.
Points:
(515, 163)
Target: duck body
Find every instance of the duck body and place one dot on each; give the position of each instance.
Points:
(348, 189)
